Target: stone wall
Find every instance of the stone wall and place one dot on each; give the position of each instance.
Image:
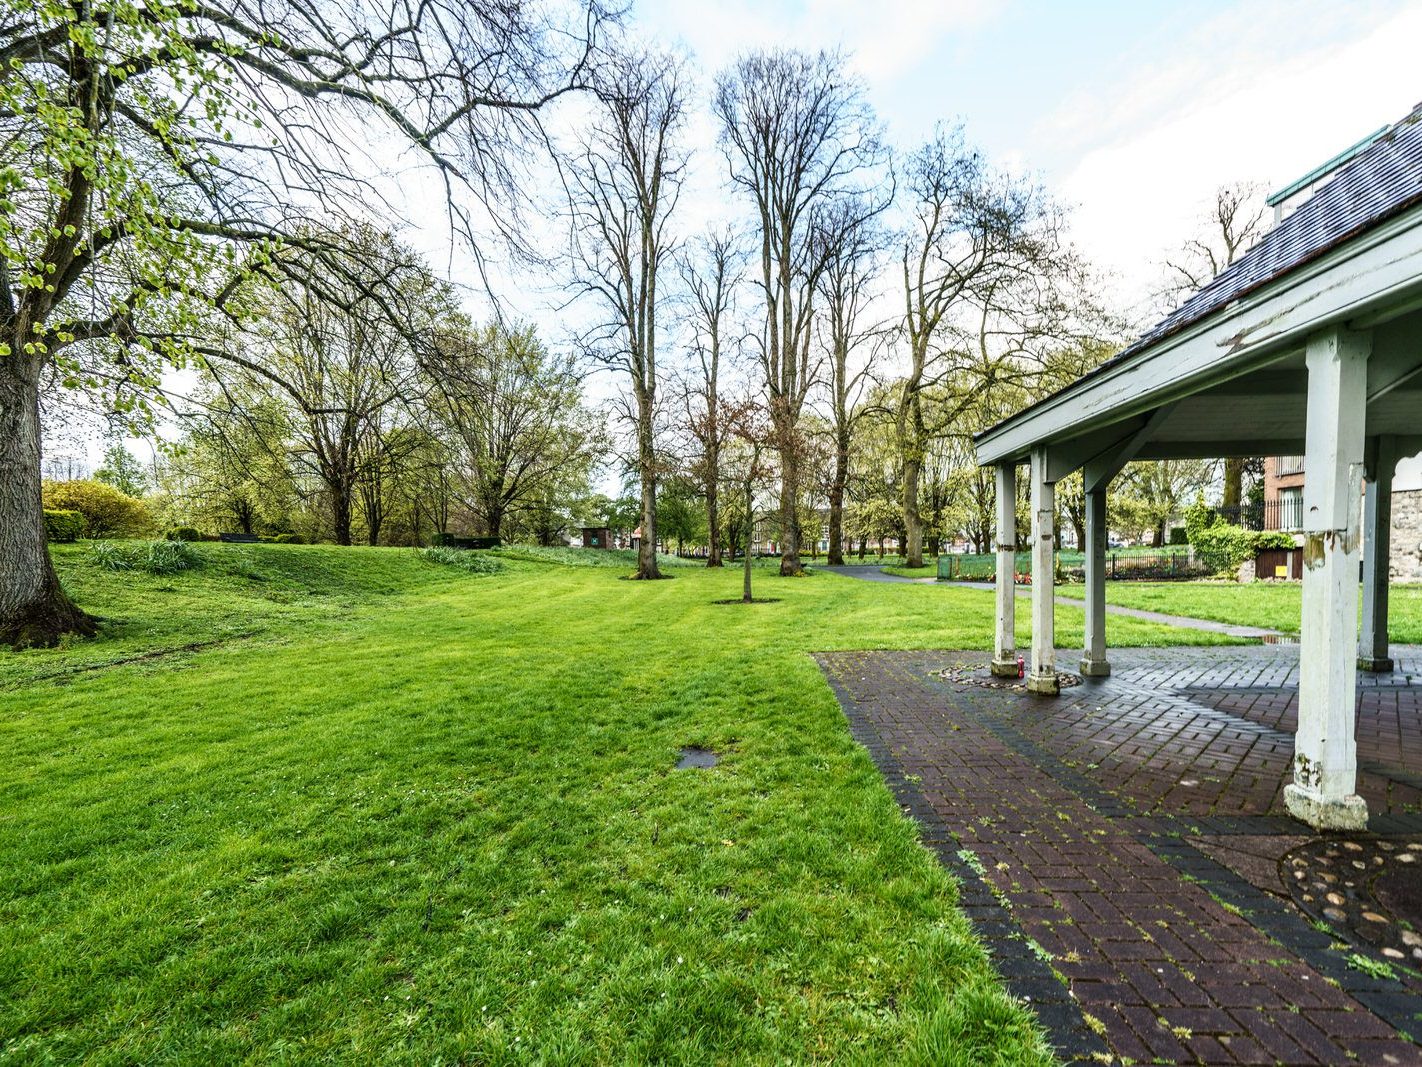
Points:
(1406, 536)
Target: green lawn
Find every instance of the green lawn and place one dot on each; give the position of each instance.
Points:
(1274, 605)
(928, 571)
(347, 804)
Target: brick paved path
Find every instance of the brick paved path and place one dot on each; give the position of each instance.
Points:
(1121, 847)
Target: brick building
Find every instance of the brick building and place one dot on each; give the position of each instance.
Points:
(1283, 509)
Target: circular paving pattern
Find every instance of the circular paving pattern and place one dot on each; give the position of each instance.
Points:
(979, 675)
(1366, 889)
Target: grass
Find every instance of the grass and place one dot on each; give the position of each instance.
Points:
(1273, 605)
(308, 803)
(928, 571)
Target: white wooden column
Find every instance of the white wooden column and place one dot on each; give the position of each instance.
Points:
(1042, 676)
(1373, 651)
(1093, 657)
(1322, 792)
(1004, 650)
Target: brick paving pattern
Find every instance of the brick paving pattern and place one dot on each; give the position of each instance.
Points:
(1120, 847)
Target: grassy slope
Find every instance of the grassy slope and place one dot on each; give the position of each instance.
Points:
(1270, 604)
(415, 814)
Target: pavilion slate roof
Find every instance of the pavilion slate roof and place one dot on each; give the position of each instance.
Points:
(1380, 182)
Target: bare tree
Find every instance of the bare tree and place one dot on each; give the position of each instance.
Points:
(845, 292)
(710, 279)
(155, 154)
(980, 264)
(625, 181)
(798, 135)
(1233, 224)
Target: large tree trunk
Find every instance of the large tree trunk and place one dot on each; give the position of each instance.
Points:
(789, 513)
(913, 434)
(341, 513)
(34, 610)
(750, 534)
(713, 519)
(647, 463)
(836, 499)
(1233, 485)
(913, 522)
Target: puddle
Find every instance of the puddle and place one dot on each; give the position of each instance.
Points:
(696, 758)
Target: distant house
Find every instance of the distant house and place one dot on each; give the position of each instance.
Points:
(597, 537)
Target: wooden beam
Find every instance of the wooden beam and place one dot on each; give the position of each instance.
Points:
(1107, 464)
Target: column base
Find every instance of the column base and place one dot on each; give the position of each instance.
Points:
(1326, 813)
(1375, 664)
(1044, 684)
(1095, 668)
(1004, 668)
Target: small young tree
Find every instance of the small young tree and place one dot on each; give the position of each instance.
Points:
(749, 427)
(710, 277)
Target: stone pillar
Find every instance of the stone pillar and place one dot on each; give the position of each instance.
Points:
(1322, 793)
(1093, 659)
(1042, 677)
(1004, 649)
(1377, 551)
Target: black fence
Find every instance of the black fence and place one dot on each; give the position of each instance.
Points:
(1261, 515)
(1141, 567)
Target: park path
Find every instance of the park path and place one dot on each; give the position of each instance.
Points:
(873, 574)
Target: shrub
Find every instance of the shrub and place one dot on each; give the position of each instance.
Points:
(473, 562)
(61, 527)
(155, 557)
(106, 511)
(1178, 536)
(1274, 539)
(1223, 547)
(288, 539)
(183, 533)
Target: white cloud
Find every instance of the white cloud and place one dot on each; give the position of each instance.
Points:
(1224, 108)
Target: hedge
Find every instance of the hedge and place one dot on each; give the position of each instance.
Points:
(61, 527)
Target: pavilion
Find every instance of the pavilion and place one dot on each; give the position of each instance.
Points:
(1310, 344)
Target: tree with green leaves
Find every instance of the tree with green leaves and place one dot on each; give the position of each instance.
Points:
(120, 468)
(514, 415)
(982, 265)
(153, 156)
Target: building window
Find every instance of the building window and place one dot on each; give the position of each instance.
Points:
(1291, 509)
(1289, 465)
